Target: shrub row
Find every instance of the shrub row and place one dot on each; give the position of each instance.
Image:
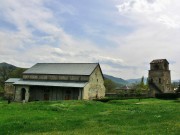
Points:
(107, 99)
(1, 94)
(167, 95)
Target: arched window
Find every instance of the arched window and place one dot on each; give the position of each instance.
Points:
(23, 93)
(159, 80)
(151, 80)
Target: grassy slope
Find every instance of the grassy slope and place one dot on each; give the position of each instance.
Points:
(149, 116)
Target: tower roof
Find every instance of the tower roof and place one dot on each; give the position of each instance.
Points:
(159, 61)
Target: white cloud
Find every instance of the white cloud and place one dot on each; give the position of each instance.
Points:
(127, 55)
(25, 49)
(156, 26)
(143, 6)
(154, 11)
(170, 22)
(109, 59)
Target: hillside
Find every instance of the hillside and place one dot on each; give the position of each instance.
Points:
(137, 80)
(6, 65)
(9, 71)
(5, 70)
(134, 80)
(124, 82)
(116, 80)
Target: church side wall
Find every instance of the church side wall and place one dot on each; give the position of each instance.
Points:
(55, 77)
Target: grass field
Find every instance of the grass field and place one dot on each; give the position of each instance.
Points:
(131, 117)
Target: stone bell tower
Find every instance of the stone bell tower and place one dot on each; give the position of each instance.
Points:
(159, 77)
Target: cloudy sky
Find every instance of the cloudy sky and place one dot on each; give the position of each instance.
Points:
(124, 36)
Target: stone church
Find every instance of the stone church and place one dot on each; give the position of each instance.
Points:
(159, 77)
(58, 81)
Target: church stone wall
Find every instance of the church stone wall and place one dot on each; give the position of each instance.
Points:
(162, 79)
(95, 88)
(159, 74)
(9, 90)
(18, 93)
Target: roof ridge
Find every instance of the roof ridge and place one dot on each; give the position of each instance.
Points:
(159, 61)
(62, 68)
(67, 63)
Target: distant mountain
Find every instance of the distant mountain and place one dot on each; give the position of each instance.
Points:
(116, 79)
(6, 69)
(124, 82)
(136, 80)
(6, 65)
(176, 81)
(9, 70)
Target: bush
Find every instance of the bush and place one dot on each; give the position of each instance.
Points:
(2, 98)
(167, 96)
(1, 89)
(114, 98)
(108, 99)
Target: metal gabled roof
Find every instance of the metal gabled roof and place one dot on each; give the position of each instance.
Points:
(51, 83)
(62, 68)
(12, 80)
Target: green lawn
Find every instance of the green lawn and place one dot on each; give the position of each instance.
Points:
(131, 117)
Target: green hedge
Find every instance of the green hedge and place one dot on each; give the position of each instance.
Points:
(107, 99)
(167, 96)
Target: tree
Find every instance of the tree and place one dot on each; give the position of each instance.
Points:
(109, 85)
(122, 93)
(1, 89)
(178, 90)
(140, 88)
(142, 80)
(7, 71)
(17, 73)
(4, 73)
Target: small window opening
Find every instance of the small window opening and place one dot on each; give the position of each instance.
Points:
(156, 67)
(23, 93)
(151, 80)
(159, 80)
